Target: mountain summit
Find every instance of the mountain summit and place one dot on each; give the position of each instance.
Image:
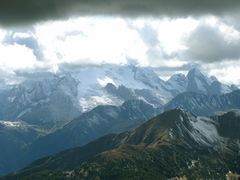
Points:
(200, 83)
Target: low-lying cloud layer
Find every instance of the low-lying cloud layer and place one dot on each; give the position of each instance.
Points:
(27, 11)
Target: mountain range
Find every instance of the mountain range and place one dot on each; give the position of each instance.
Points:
(108, 119)
(54, 112)
(52, 100)
(174, 144)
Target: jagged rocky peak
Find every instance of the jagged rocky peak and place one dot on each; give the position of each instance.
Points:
(197, 80)
(199, 76)
(171, 117)
(202, 83)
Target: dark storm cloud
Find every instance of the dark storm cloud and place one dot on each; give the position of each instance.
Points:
(207, 44)
(25, 11)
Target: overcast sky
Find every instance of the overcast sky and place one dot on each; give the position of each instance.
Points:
(169, 35)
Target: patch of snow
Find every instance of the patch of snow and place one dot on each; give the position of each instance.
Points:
(93, 101)
(11, 124)
(101, 100)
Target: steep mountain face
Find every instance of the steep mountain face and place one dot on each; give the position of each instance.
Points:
(200, 83)
(173, 144)
(48, 101)
(14, 137)
(201, 104)
(91, 125)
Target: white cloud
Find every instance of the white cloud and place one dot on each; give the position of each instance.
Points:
(15, 57)
(227, 71)
(171, 33)
(101, 40)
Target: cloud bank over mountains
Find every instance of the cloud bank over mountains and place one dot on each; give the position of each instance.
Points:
(167, 44)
